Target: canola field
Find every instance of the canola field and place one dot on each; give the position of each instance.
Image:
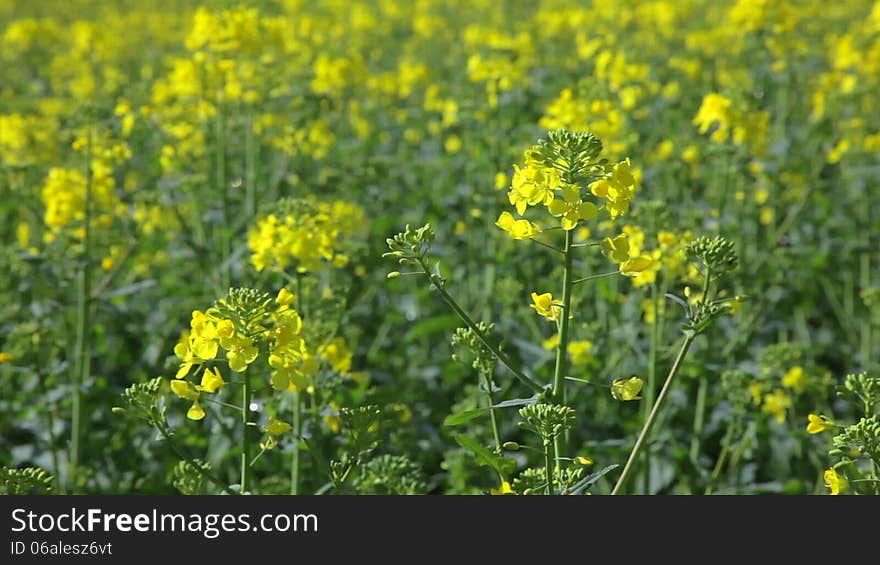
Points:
(440, 247)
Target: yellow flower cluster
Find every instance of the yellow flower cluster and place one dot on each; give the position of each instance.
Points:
(597, 116)
(27, 139)
(536, 184)
(312, 235)
(279, 331)
(731, 123)
(619, 250)
(65, 190)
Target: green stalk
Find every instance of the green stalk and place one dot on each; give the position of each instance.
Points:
(651, 385)
(548, 465)
(82, 351)
(558, 392)
(178, 451)
(297, 431)
(250, 165)
(487, 380)
(220, 172)
(722, 457)
(522, 377)
(562, 348)
(649, 423)
(699, 419)
(864, 283)
(245, 433)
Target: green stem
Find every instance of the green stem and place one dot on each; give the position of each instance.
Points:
(562, 349)
(651, 385)
(297, 431)
(250, 165)
(865, 283)
(706, 284)
(548, 465)
(525, 379)
(699, 420)
(245, 434)
(220, 172)
(82, 351)
(646, 429)
(184, 457)
(722, 457)
(487, 382)
(603, 275)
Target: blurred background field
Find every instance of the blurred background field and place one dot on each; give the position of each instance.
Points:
(186, 122)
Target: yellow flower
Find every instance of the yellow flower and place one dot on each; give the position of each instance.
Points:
(818, 423)
(5, 357)
(584, 460)
(285, 297)
(195, 412)
(632, 267)
(551, 342)
(211, 380)
(795, 379)
(503, 489)
(500, 180)
(580, 351)
(545, 306)
(572, 208)
(835, 483)
(616, 248)
(277, 427)
(184, 389)
(776, 404)
(756, 390)
(517, 229)
(225, 329)
(627, 389)
(532, 185)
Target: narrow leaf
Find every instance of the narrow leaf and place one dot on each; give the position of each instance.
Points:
(464, 417)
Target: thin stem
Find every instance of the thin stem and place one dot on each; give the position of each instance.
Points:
(487, 382)
(548, 462)
(82, 352)
(651, 385)
(525, 379)
(250, 174)
(184, 457)
(562, 347)
(257, 458)
(222, 186)
(593, 277)
(646, 429)
(245, 433)
(722, 457)
(699, 419)
(297, 430)
(548, 246)
(706, 285)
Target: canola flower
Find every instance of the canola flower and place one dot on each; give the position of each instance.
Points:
(818, 423)
(552, 176)
(835, 482)
(627, 389)
(618, 250)
(545, 306)
(240, 326)
(307, 234)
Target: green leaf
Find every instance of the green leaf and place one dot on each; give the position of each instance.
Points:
(464, 417)
(588, 481)
(484, 456)
(516, 402)
(468, 415)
